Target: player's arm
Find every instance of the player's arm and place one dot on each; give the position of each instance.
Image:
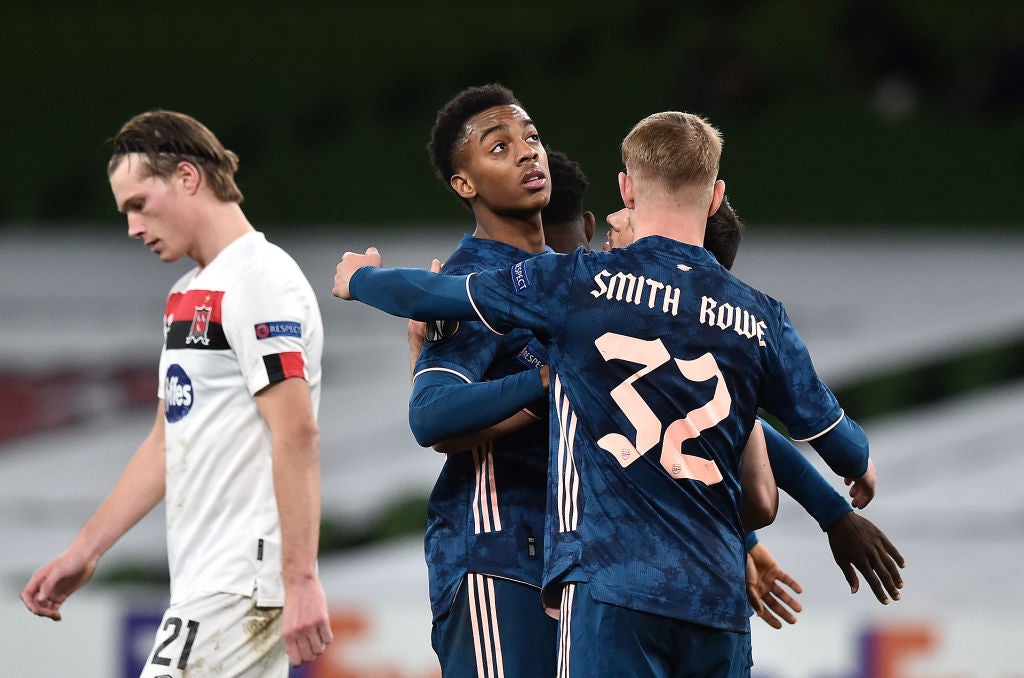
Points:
(798, 478)
(760, 500)
(141, 487)
(416, 331)
(287, 409)
(443, 406)
(403, 292)
(795, 394)
(857, 544)
(846, 441)
(530, 414)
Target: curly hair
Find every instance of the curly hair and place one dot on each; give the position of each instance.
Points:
(568, 186)
(449, 126)
(723, 234)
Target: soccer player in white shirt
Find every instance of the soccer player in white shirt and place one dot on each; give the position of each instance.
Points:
(234, 447)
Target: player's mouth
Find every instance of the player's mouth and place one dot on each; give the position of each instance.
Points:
(535, 179)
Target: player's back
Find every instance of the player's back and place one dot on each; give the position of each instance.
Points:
(661, 357)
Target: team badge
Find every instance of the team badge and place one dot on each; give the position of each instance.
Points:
(197, 333)
(440, 329)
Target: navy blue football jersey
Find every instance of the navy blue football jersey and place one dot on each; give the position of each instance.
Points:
(486, 510)
(662, 359)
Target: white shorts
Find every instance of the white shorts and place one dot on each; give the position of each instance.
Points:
(220, 634)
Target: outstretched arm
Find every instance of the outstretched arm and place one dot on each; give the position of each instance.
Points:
(416, 331)
(403, 292)
(140, 488)
(287, 409)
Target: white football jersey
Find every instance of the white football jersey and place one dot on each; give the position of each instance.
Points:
(247, 320)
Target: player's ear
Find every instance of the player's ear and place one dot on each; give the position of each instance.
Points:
(463, 186)
(717, 197)
(589, 225)
(189, 176)
(626, 190)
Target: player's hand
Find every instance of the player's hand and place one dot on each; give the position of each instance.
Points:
(349, 264)
(858, 544)
(307, 623)
(752, 597)
(51, 584)
(775, 603)
(862, 490)
(417, 330)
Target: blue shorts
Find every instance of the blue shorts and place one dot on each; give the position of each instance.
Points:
(599, 639)
(496, 628)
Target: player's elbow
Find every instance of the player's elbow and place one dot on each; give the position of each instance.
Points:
(759, 508)
(424, 427)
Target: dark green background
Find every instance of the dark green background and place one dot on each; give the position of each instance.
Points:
(329, 105)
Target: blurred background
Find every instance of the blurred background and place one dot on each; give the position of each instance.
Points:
(875, 151)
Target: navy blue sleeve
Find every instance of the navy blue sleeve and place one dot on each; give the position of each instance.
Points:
(796, 476)
(471, 406)
(750, 540)
(413, 293)
(807, 407)
(844, 448)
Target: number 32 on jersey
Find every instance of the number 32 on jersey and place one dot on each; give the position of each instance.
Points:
(652, 354)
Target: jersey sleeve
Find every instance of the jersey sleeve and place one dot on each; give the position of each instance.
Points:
(794, 393)
(442, 407)
(530, 294)
(798, 478)
(266, 319)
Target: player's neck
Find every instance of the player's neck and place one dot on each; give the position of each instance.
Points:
(682, 226)
(526, 233)
(222, 224)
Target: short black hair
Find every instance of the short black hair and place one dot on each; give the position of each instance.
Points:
(723, 234)
(568, 186)
(452, 118)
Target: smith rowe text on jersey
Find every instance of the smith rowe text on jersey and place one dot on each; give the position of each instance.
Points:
(633, 289)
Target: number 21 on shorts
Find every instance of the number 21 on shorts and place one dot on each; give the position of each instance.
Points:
(174, 626)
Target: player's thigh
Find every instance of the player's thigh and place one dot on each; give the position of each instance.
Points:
(597, 639)
(220, 634)
(495, 627)
(710, 652)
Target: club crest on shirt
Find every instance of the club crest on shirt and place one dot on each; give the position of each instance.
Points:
(197, 333)
(437, 330)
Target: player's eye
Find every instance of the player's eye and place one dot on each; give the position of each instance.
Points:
(498, 147)
(534, 137)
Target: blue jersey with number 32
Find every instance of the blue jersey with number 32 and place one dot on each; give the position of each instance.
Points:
(662, 359)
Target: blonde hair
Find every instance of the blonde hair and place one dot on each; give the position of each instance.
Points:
(166, 138)
(677, 149)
